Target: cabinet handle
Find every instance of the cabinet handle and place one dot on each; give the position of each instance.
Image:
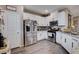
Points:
(65, 40)
(72, 44)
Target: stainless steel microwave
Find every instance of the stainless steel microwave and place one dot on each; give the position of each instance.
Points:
(54, 23)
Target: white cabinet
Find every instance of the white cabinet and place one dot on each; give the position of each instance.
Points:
(40, 21)
(63, 19)
(68, 45)
(67, 41)
(42, 35)
(45, 34)
(59, 37)
(47, 21)
(39, 36)
(53, 16)
(74, 44)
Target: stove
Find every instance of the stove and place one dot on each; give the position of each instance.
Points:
(52, 36)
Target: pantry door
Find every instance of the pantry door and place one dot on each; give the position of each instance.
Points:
(13, 29)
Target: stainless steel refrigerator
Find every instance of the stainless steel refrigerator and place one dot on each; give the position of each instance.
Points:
(30, 32)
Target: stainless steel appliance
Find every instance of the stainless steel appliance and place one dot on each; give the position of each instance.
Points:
(52, 36)
(54, 23)
(30, 32)
(52, 31)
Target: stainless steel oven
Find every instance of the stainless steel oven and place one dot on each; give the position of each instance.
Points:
(52, 36)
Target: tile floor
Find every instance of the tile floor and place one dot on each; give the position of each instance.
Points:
(41, 47)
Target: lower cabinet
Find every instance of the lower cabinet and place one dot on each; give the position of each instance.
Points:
(67, 41)
(42, 35)
(75, 44)
(58, 37)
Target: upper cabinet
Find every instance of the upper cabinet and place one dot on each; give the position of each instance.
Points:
(62, 18)
(54, 16)
(42, 21)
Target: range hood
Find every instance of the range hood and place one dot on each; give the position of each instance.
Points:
(37, 12)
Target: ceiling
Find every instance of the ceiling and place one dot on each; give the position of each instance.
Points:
(73, 8)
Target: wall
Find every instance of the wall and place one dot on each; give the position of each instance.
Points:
(76, 23)
(19, 9)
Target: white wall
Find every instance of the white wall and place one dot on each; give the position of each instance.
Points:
(20, 11)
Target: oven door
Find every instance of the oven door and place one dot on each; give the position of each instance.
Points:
(49, 34)
(52, 37)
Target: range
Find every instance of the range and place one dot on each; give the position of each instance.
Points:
(52, 34)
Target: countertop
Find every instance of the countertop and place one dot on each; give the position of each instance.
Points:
(70, 31)
(73, 34)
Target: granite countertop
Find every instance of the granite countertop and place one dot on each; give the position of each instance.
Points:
(70, 31)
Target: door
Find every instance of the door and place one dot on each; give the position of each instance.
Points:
(13, 29)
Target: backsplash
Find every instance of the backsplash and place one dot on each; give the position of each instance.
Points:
(42, 28)
(76, 24)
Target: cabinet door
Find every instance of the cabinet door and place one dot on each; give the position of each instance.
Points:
(58, 37)
(45, 35)
(62, 20)
(64, 40)
(40, 21)
(69, 44)
(75, 44)
(38, 36)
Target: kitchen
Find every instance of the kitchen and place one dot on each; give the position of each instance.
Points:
(39, 29)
